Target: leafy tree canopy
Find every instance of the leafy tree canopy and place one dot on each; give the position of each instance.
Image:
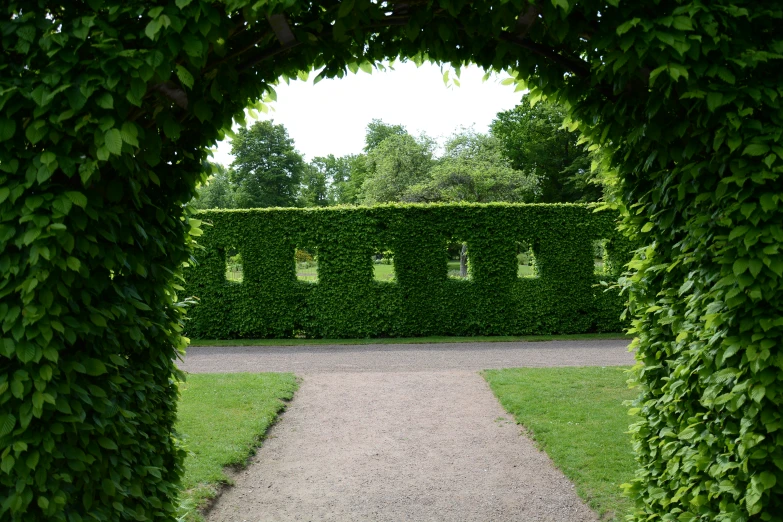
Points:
(267, 169)
(377, 131)
(473, 169)
(314, 188)
(396, 164)
(216, 192)
(534, 139)
(337, 172)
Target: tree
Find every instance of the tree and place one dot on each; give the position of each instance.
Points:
(377, 131)
(313, 191)
(473, 169)
(267, 169)
(217, 191)
(336, 172)
(534, 140)
(394, 166)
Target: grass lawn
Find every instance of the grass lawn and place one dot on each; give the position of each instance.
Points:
(222, 418)
(577, 416)
(409, 340)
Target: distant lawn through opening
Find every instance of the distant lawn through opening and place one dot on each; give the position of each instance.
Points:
(383, 272)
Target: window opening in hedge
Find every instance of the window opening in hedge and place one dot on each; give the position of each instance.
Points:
(458, 260)
(383, 266)
(599, 256)
(526, 261)
(234, 270)
(306, 260)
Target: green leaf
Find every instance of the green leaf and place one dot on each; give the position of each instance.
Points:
(767, 480)
(561, 3)
(685, 286)
(105, 101)
(627, 26)
(182, 3)
(756, 149)
(740, 266)
(77, 198)
(755, 266)
(726, 75)
(657, 71)
(98, 319)
(769, 201)
(107, 443)
(129, 134)
(683, 23)
(7, 129)
(103, 153)
(172, 128)
(73, 263)
(714, 100)
(32, 458)
(36, 131)
(185, 77)
(25, 352)
(738, 231)
(7, 464)
(94, 367)
(113, 141)
(31, 235)
(153, 28)
(7, 423)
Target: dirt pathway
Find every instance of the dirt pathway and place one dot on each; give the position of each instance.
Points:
(400, 433)
(399, 446)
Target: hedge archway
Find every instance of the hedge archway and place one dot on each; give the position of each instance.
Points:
(107, 110)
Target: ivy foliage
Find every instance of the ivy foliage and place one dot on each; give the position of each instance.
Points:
(107, 110)
(563, 297)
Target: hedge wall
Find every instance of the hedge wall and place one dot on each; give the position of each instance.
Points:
(563, 297)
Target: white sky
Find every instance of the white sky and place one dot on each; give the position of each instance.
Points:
(331, 116)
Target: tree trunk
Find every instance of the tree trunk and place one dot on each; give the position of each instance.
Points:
(463, 261)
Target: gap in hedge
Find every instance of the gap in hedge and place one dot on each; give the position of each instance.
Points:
(526, 261)
(234, 267)
(306, 261)
(599, 256)
(458, 264)
(383, 266)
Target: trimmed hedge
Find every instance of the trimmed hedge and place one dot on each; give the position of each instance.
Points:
(564, 297)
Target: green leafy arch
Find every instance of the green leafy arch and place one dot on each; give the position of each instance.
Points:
(108, 108)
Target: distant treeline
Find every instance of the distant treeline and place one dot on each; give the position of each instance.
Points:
(527, 157)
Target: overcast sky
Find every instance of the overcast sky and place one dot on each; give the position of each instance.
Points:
(331, 116)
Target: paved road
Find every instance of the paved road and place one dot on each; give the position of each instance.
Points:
(406, 357)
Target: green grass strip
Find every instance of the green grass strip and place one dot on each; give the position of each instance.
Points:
(577, 416)
(222, 418)
(407, 340)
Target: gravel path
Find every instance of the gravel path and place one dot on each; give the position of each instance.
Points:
(405, 357)
(400, 433)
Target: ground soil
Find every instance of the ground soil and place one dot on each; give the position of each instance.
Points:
(400, 432)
